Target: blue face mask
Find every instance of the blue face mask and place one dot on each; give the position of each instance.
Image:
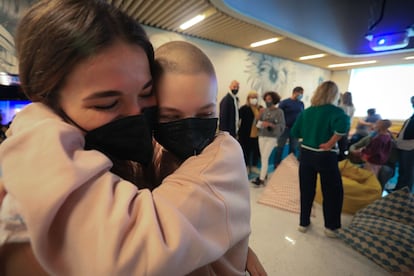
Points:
(299, 97)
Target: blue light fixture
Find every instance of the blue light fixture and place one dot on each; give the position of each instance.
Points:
(390, 41)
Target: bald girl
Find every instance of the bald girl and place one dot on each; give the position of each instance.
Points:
(186, 89)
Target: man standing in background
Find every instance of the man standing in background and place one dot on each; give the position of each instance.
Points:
(291, 107)
(405, 145)
(229, 110)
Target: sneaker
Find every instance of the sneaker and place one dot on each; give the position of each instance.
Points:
(303, 229)
(258, 182)
(330, 233)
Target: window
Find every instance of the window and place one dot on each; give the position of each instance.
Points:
(388, 89)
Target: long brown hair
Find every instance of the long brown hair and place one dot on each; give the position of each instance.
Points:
(347, 99)
(56, 35)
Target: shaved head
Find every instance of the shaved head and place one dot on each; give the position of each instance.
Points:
(181, 57)
(185, 82)
(383, 124)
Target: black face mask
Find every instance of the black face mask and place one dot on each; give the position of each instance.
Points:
(128, 138)
(234, 91)
(186, 137)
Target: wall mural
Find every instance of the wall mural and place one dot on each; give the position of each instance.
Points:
(10, 12)
(267, 73)
(254, 71)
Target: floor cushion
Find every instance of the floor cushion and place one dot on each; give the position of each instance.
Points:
(361, 187)
(384, 232)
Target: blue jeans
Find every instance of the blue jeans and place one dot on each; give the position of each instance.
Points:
(405, 169)
(326, 164)
(281, 142)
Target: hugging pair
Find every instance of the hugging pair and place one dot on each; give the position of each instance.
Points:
(83, 211)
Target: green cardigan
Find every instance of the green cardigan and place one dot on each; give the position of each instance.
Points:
(316, 125)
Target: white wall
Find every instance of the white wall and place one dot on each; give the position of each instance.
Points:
(254, 71)
(341, 78)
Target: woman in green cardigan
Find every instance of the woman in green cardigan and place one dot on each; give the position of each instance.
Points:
(320, 127)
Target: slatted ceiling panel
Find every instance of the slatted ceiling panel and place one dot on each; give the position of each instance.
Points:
(218, 27)
(121, 4)
(178, 14)
(127, 4)
(333, 59)
(214, 22)
(142, 11)
(169, 14)
(163, 12)
(184, 13)
(215, 25)
(148, 13)
(116, 3)
(241, 34)
(135, 7)
(208, 23)
(287, 46)
(194, 10)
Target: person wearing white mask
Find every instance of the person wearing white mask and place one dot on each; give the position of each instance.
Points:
(248, 132)
(271, 125)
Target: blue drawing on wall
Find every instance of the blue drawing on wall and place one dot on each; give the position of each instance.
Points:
(10, 13)
(320, 80)
(267, 73)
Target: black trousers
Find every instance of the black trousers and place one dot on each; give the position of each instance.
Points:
(326, 164)
(251, 152)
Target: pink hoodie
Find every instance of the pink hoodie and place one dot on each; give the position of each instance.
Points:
(84, 220)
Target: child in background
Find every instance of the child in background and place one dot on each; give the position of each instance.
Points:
(187, 97)
(365, 126)
(375, 149)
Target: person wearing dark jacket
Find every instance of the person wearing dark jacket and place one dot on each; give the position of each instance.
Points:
(248, 132)
(405, 145)
(229, 110)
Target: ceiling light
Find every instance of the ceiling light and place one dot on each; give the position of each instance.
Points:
(264, 42)
(312, 56)
(351, 63)
(410, 57)
(192, 21)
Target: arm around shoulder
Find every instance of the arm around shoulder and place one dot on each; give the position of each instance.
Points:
(83, 220)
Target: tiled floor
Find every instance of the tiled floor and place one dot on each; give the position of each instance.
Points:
(285, 251)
